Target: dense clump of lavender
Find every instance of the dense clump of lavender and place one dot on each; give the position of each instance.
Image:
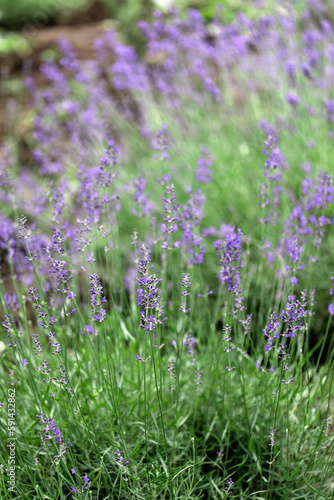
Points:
(69, 251)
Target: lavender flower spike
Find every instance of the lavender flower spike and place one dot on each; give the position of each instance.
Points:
(148, 295)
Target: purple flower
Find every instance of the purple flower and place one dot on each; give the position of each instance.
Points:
(246, 324)
(189, 217)
(59, 268)
(161, 144)
(11, 301)
(326, 432)
(204, 170)
(272, 437)
(306, 69)
(275, 159)
(85, 480)
(185, 283)
(290, 68)
(271, 332)
(142, 201)
(121, 461)
(24, 362)
(90, 257)
(304, 223)
(190, 342)
(322, 194)
(229, 251)
(258, 365)
(288, 382)
(169, 226)
(138, 358)
(148, 294)
(9, 325)
(97, 298)
(293, 314)
(51, 432)
(229, 487)
(104, 177)
(284, 356)
(293, 99)
(90, 330)
(275, 163)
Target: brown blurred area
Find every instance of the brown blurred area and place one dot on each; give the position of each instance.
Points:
(81, 28)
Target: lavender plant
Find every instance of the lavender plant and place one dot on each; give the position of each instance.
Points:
(157, 359)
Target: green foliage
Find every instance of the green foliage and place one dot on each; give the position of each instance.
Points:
(12, 42)
(15, 15)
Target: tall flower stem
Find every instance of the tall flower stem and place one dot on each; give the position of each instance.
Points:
(160, 409)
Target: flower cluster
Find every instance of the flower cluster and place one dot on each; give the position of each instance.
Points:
(97, 298)
(172, 373)
(272, 437)
(45, 370)
(229, 487)
(189, 217)
(161, 144)
(326, 432)
(12, 332)
(273, 166)
(63, 275)
(246, 324)
(305, 224)
(190, 343)
(50, 434)
(229, 253)
(293, 314)
(168, 226)
(204, 170)
(148, 295)
(64, 379)
(40, 306)
(104, 177)
(143, 205)
(84, 486)
(271, 332)
(121, 461)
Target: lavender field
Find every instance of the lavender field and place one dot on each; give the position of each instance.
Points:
(167, 265)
